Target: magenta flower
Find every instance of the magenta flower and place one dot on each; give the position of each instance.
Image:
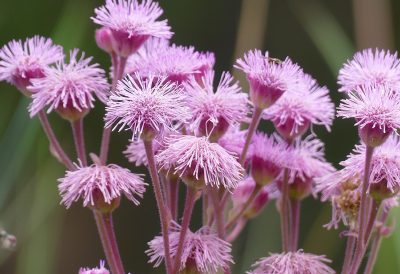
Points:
(292, 263)
(69, 88)
(99, 184)
(369, 68)
(20, 63)
(294, 112)
(213, 113)
(147, 107)
(199, 162)
(177, 62)
(96, 270)
(203, 251)
(206, 64)
(376, 109)
(268, 78)
(131, 23)
(269, 156)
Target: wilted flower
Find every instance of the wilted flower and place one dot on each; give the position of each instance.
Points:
(68, 88)
(20, 63)
(203, 251)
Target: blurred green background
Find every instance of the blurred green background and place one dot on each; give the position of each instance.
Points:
(318, 34)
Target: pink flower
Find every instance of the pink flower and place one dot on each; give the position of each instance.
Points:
(376, 109)
(69, 88)
(20, 63)
(294, 112)
(369, 68)
(147, 107)
(96, 270)
(203, 250)
(131, 23)
(293, 263)
(199, 162)
(213, 113)
(99, 184)
(269, 78)
(177, 62)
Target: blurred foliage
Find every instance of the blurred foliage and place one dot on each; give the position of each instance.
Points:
(319, 35)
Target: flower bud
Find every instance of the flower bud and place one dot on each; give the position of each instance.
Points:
(104, 39)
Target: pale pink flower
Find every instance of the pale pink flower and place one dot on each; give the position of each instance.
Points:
(268, 77)
(96, 270)
(107, 182)
(292, 263)
(68, 88)
(202, 250)
(199, 162)
(233, 141)
(21, 62)
(213, 113)
(147, 107)
(293, 113)
(368, 67)
(131, 23)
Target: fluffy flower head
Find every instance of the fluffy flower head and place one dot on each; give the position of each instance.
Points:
(96, 270)
(68, 88)
(369, 68)
(108, 182)
(213, 113)
(202, 250)
(21, 62)
(293, 263)
(147, 107)
(294, 112)
(132, 23)
(269, 78)
(200, 162)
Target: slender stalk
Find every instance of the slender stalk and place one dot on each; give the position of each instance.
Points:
(360, 249)
(148, 145)
(284, 218)
(252, 128)
(187, 214)
(77, 128)
(165, 188)
(173, 185)
(376, 243)
(107, 235)
(236, 231)
(205, 207)
(295, 223)
(54, 144)
(376, 205)
(349, 253)
(253, 195)
(119, 65)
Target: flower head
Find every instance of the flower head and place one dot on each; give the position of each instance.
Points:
(68, 88)
(203, 250)
(293, 263)
(147, 107)
(369, 68)
(269, 156)
(177, 62)
(131, 23)
(96, 270)
(20, 63)
(199, 162)
(100, 184)
(294, 112)
(213, 113)
(269, 78)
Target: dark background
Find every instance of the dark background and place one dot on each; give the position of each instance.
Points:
(319, 35)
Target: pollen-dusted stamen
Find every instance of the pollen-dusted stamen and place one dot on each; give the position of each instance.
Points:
(293, 263)
(368, 67)
(68, 88)
(131, 23)
(21, 62)
(149, 107)
(203, 251)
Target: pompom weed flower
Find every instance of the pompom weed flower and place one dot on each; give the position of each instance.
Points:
(101, 270)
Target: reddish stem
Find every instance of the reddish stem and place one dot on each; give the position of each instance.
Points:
(77, 128)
